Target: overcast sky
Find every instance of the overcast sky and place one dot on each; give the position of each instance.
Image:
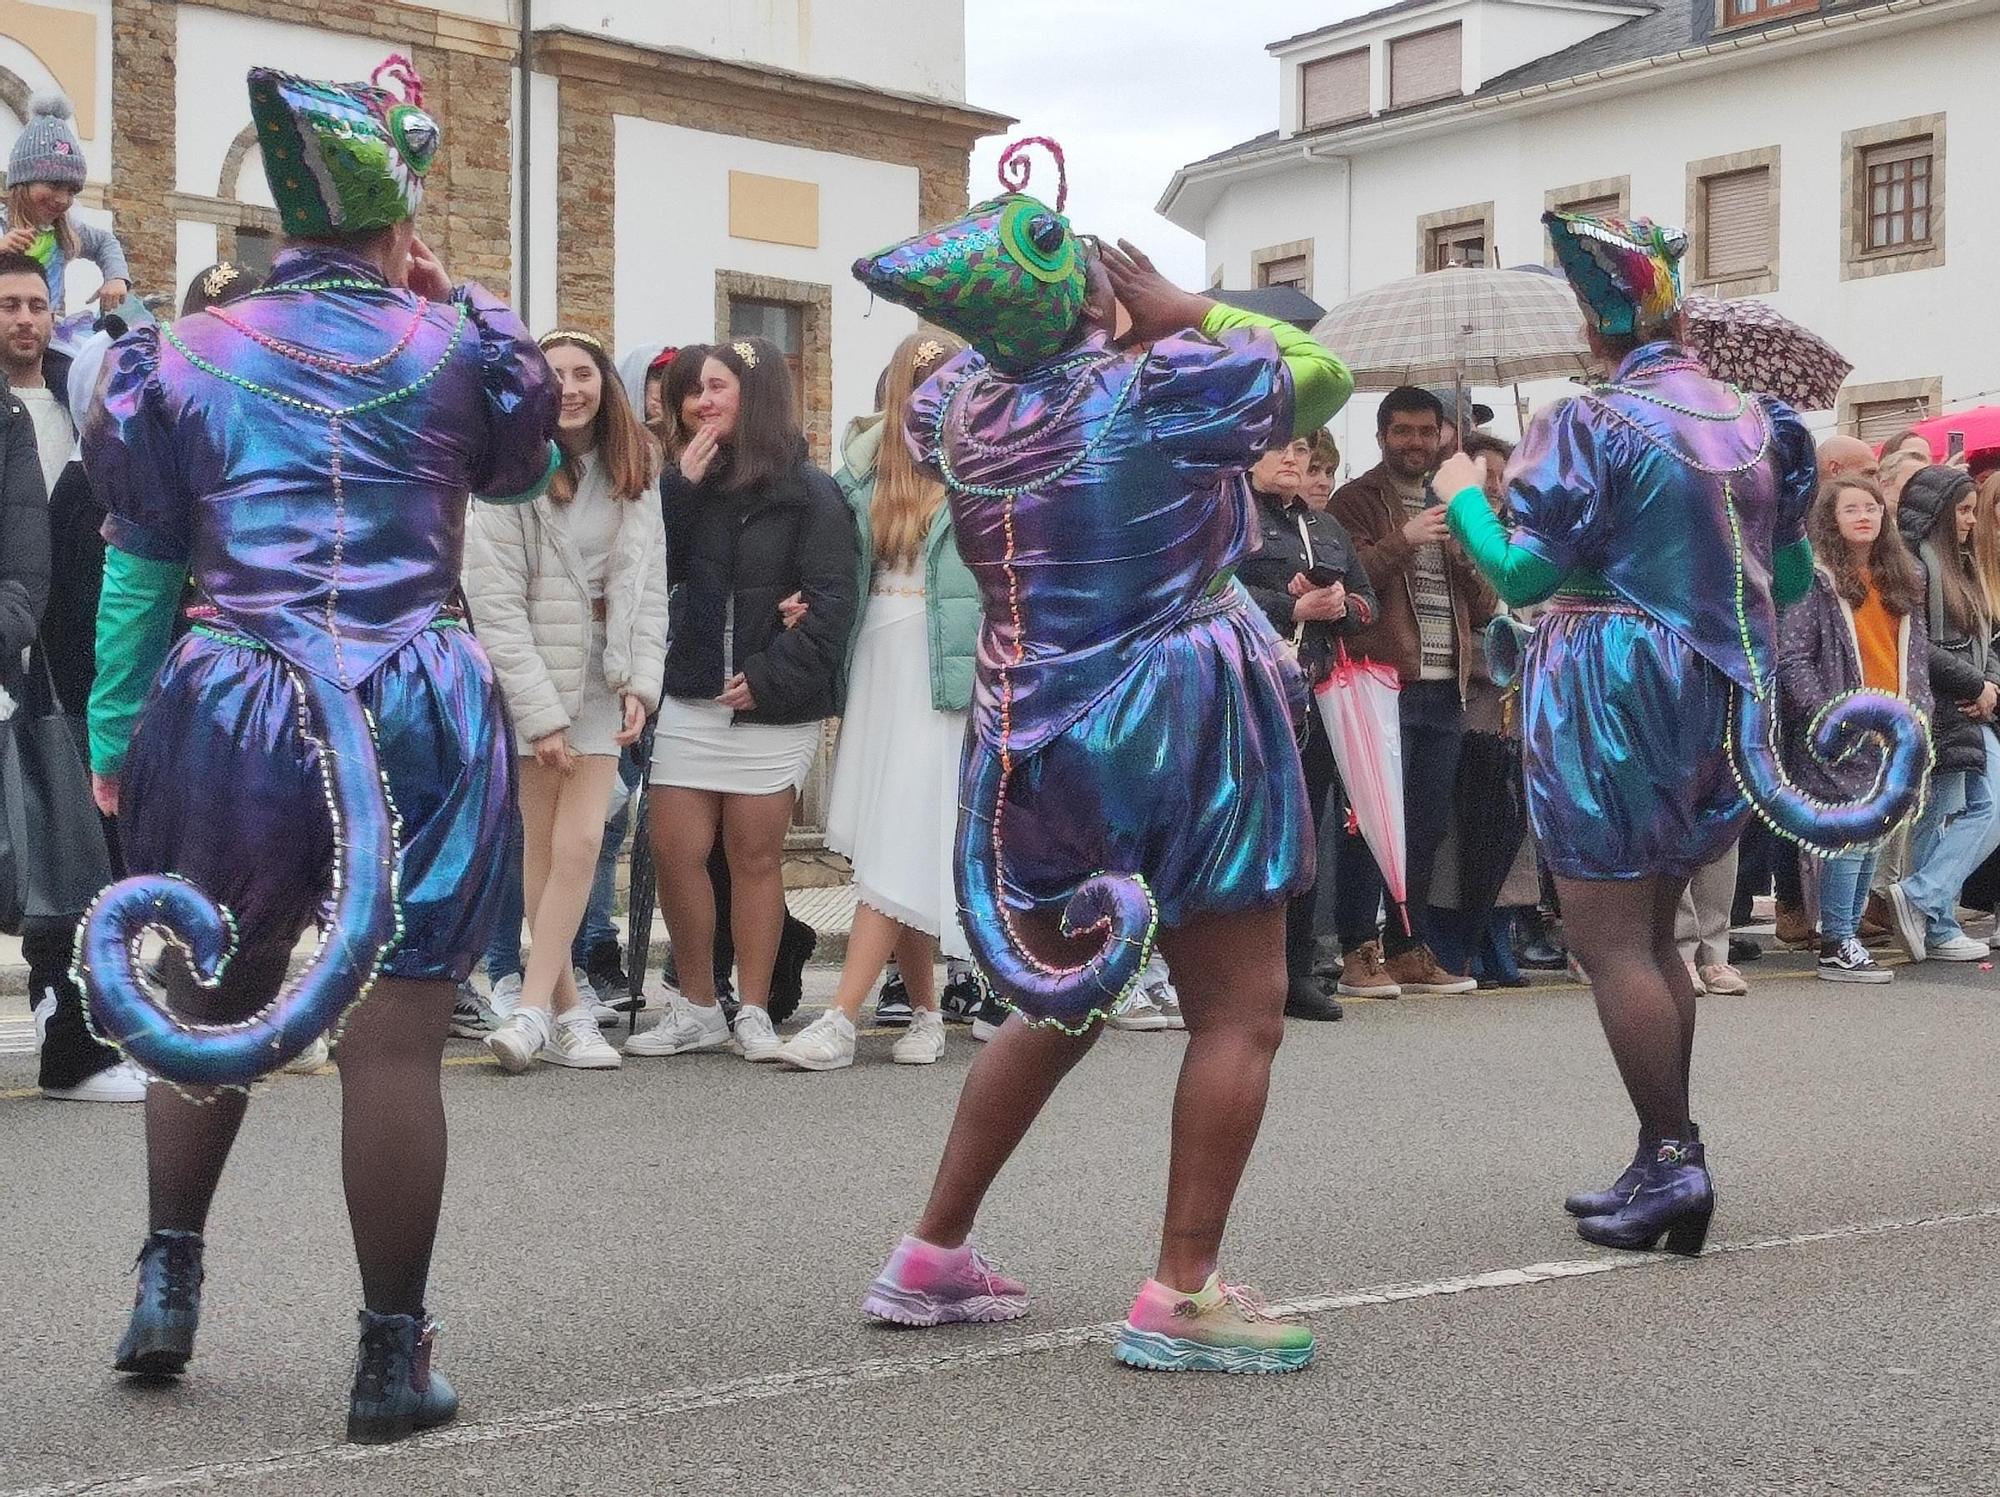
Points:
(1133, 89)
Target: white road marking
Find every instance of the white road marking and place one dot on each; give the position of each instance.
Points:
(760, 1386)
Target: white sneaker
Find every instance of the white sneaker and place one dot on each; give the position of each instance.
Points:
(506, 995)
(1137, 1011)
(923, 1043)
(1167, 999)
(123, 1082)
(576, 1042)
(1961, 948)
(309, 1060)
(519, 1041)
(592, 1000)
(683, 1028)
(826, 1044)
(755, 1038)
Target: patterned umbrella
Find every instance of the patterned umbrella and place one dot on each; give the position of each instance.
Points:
(1475, 327)
(1749, 343)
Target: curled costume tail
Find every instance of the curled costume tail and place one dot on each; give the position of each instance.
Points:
(1116, 906)
(360, 926)
(1847, 725)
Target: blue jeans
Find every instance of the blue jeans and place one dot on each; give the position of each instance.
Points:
(1843, 893)
(1957, 832)
(503, 952)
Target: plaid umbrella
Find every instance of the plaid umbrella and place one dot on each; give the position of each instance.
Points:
(1750, 344)
(1475, 327)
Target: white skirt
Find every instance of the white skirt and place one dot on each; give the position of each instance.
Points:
(698, 745)
(893, 808)
(594, 726)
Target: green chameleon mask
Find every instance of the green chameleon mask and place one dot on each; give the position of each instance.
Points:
(1008, 277)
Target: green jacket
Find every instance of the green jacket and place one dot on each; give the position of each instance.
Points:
(951, 597)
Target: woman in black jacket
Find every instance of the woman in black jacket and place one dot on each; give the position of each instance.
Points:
(1305, 576)
(1961, 820)
(762, 555)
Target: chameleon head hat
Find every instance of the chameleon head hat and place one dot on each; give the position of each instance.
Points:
(1009, 277)
(344, 158)
(1625, 272)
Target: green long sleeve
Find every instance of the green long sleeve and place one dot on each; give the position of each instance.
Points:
(1792, 572)
(1321, 384)
(1518, 575)
(135, 629)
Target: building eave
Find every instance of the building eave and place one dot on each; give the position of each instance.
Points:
(566, 52)
(1341, 141)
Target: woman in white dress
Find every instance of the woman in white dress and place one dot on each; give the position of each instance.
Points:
(569, 597)
(752, 525)
(894, 808)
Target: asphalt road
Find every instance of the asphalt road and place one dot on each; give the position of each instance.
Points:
(649, 1278)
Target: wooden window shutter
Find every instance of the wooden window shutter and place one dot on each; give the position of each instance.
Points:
(1333, 89)
(1426, 66)
(1878, 420)
(1737, 214)
(1596, 207)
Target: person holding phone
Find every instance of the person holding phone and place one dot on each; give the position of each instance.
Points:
(1306, 577)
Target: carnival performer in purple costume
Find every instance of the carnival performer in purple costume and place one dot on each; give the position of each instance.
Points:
(327, 744)
(1131, 764)
(1664, 512)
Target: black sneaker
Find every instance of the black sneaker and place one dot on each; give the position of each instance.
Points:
(1744, 950)
(892, 1004)
(991, 1014)
(1849, 961)
(963, 998)
(605, 967)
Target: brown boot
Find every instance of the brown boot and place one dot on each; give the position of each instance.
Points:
(1795, 930)
(1417, 971)
(1362, 974)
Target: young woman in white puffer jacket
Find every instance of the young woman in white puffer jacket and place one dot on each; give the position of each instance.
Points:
(569, 597)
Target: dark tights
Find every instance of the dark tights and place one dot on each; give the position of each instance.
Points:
(1623, 933)
(392, 1128)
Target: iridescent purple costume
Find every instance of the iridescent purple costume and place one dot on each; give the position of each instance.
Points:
(1667, 602)
(1134, 714)
(323, 525)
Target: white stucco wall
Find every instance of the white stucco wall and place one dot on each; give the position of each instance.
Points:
(910, 46)
(671, 244)
(1893, 327)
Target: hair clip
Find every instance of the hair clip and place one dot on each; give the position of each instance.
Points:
(570, 335)
(745, 351)
(217, 280)
(928, 353)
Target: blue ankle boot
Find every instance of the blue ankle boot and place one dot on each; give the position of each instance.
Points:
(1604, 1202)
(396, 1393)
(1675, 1199)
(166, 1308)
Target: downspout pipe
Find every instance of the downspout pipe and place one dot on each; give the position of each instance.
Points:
(525, 172)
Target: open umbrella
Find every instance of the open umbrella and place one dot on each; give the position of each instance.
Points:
(1462, 325)
(1752, 345)
(1980, 426)
(1361, 704)
(1286, 303)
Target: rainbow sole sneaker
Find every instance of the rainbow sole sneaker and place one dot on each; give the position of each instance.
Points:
(923, 1284)
(1221, 1328)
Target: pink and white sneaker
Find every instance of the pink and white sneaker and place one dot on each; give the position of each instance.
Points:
(923, 1284)
(1219, 1328)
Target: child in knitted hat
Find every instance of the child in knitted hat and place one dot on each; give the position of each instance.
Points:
(44, 173)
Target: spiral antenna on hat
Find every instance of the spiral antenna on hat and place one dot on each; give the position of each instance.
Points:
(1016, 168)
(400, 71)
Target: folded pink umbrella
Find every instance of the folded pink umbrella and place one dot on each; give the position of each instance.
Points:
(1361, 705)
